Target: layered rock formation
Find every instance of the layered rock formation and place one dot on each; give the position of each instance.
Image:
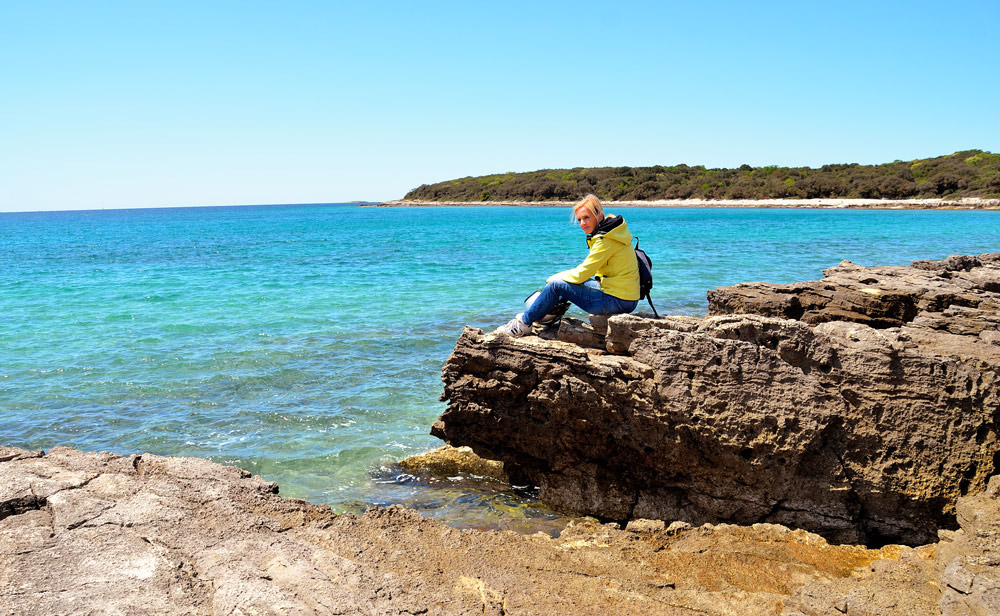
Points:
(860, 407)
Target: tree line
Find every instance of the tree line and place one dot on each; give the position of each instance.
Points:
(971, 173)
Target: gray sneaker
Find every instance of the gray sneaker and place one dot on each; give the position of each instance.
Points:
(515, 328)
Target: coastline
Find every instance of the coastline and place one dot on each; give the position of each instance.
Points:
(974, 203)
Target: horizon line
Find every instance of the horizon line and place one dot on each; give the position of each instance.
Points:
(183, 207)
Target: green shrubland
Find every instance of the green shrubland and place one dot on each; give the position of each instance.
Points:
(971, 173)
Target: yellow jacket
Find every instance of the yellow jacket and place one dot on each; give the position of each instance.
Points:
(611, 259)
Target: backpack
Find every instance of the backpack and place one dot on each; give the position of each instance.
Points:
(645, 276)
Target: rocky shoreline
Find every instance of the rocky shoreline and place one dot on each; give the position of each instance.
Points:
(98, 533)
(970, 203)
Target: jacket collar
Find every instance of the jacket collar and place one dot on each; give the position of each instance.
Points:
(609, 223)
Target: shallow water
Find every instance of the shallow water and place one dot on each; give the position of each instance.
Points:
(304, 343)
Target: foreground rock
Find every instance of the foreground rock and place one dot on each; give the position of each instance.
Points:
(86, 533)
(860, 407)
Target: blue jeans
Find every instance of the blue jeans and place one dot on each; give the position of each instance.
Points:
(588, 296)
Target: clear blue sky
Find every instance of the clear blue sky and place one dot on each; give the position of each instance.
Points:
(140, 104)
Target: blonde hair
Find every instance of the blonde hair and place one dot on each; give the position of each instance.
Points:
(592, 204)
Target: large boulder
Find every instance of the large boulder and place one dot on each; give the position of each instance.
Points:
(864, 418)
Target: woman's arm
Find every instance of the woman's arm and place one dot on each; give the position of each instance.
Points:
(598, 255)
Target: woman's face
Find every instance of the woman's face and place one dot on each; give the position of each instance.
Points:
(586, 220)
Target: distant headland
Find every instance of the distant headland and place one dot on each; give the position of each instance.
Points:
(967, 203)
(967, 179)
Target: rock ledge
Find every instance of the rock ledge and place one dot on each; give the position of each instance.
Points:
(860, 407)
(98, 533)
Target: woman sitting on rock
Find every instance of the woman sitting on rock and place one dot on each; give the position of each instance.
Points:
(611, 261)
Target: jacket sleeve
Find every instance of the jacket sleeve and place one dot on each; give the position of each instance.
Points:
(600, 250)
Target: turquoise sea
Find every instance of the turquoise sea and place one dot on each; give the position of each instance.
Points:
(304, 342)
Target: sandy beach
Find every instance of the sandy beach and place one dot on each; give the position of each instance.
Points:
(880, 204)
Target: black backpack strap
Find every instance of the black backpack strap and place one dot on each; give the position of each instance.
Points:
(646, 295)
(650, 300)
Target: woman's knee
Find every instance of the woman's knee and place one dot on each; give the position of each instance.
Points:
(557, 287)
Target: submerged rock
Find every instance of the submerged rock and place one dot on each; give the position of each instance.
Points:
(449, 461)
(860, 407)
